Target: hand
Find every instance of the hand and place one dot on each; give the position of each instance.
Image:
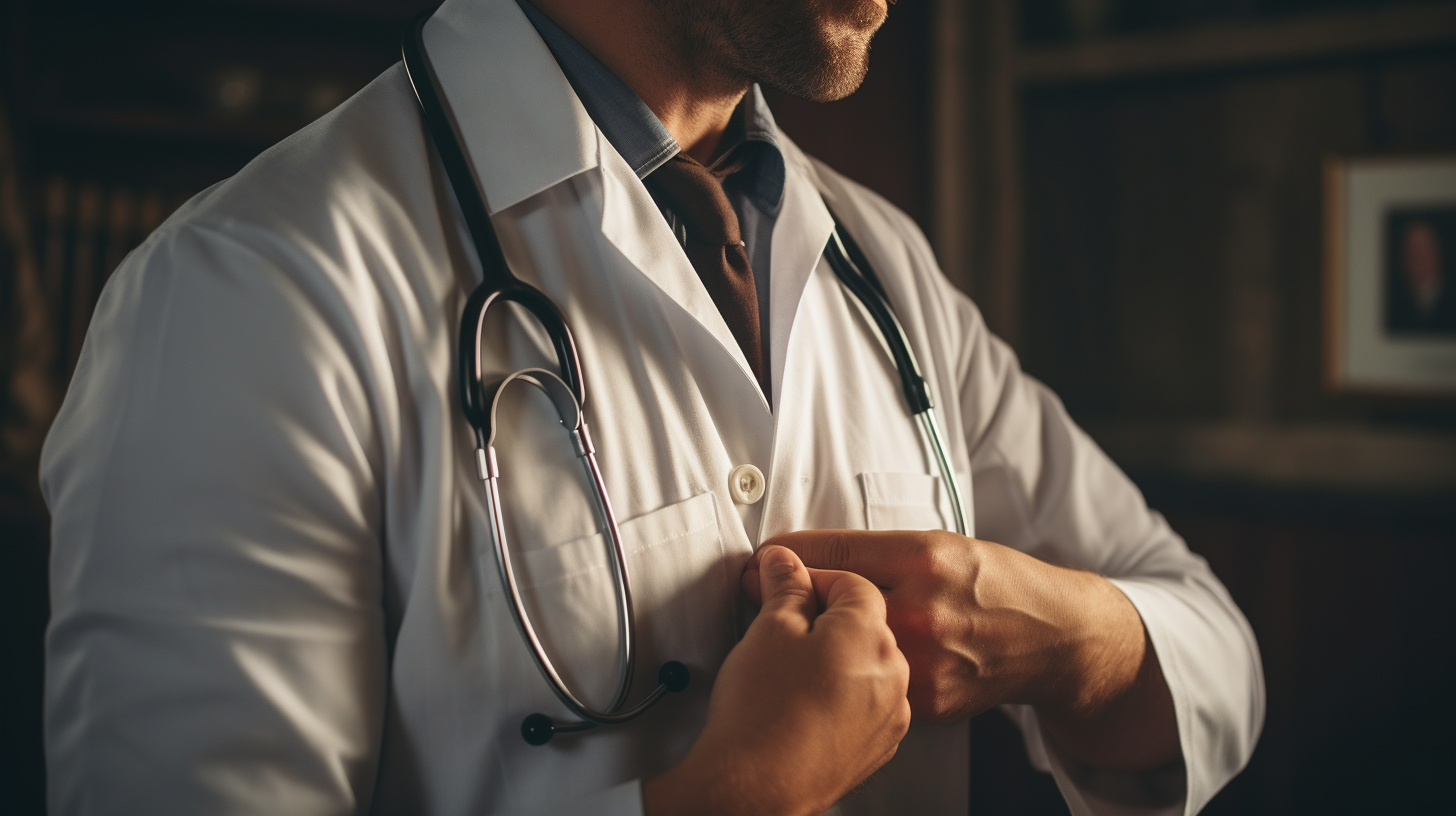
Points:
(982, 624)
(806, 706)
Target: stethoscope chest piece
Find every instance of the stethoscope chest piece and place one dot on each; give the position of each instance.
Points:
(538, 729)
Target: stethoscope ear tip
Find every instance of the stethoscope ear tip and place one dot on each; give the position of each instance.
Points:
(537, 729)
(674, 675)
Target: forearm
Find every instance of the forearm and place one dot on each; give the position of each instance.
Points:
(1114, 710)
(684, 790)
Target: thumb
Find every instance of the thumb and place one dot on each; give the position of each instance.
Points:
(784, 584)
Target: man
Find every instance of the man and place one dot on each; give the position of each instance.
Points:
(272, 580)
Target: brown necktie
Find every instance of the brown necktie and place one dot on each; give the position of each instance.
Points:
(695, 195)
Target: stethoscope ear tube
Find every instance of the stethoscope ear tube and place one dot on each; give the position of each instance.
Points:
(567, 392)
(447, 142)
(869, 292)
(497, 281)
(854, 271)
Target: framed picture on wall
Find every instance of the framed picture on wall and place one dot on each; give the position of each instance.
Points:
(1390, 277)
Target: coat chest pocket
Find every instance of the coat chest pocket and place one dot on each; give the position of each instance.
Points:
(680, 594)
(910, 501)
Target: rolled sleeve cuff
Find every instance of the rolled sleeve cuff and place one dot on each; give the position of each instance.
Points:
(1211, 665)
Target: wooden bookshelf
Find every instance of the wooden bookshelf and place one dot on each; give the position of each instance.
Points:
(1240, 45)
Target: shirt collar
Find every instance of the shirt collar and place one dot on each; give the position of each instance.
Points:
(766, 181)
(632, 128)
(635, 131)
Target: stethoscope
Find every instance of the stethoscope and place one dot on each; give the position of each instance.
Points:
(567, 393)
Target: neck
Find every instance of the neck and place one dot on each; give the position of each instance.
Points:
(650, 52)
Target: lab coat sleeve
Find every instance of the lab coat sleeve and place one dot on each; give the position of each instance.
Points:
(216, 642)
(218, 478)
(1043, 486)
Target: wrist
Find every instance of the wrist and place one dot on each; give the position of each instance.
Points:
(671, 793)
(1118, 714)
(709, 782)
(688, 789)
(1105, 648)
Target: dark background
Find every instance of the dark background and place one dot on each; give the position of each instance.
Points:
(1131, 189)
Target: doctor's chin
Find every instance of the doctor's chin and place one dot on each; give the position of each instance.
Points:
(728, 407)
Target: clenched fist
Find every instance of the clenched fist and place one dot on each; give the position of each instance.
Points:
(807, 705)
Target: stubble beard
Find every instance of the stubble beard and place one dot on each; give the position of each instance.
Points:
(812, 49)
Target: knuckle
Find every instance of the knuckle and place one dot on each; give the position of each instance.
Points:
(942, 560)
(902, 717)
(784, 619)
(900, 671)
(837, 552)
(929, 555)
(886, 642)
(791, 591)
(920, 550)
(916, 623)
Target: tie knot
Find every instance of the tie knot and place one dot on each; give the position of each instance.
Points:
(695, 195)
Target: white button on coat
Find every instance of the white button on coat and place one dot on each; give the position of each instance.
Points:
(746, 483)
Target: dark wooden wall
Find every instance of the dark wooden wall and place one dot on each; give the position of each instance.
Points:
(1171, 245)
(1173, 238)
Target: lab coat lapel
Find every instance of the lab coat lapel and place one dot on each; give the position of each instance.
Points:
(524, 131)
(799, 237)
(635, 226)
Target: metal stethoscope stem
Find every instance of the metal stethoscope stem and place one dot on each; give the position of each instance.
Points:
(538, 729)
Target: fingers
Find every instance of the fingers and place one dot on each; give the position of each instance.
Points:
(847, 592)
(844, 590)
(875, 554)
(871, 554)
(785, 586)
(750, 580)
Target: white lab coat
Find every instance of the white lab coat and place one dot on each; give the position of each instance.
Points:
(272, 585)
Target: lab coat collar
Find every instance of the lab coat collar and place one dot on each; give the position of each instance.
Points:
(504, 88)
(524, 131)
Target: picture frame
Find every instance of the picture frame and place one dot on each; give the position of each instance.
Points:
(1390, 275)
